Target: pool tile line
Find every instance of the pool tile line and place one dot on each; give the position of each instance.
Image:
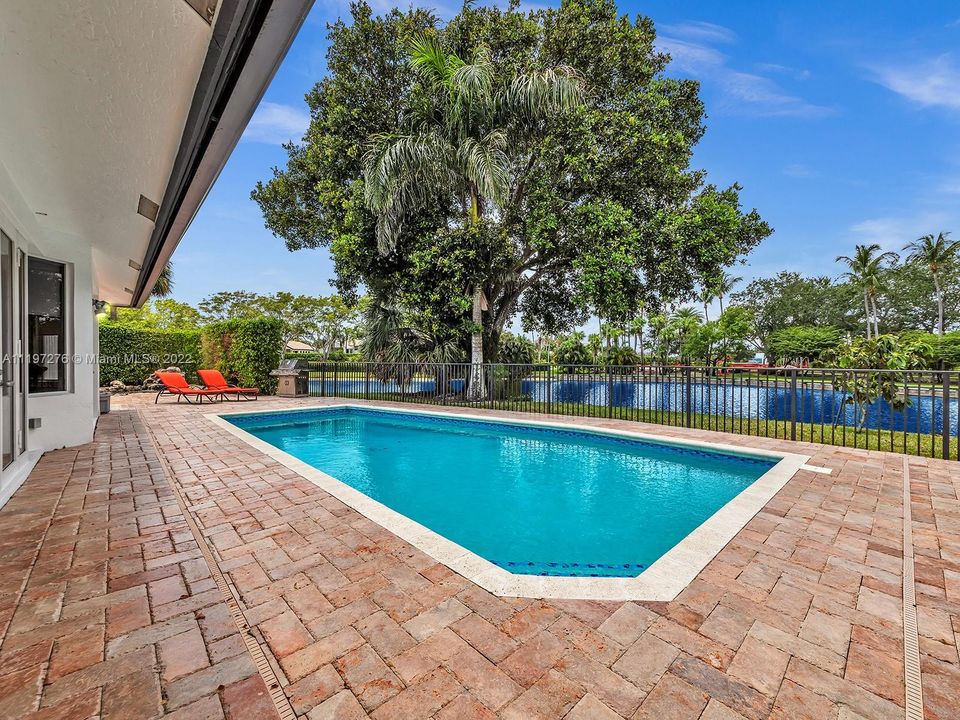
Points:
(579, 569)
(561, 423)
(662, 581)
(911, 632)
(680, 449)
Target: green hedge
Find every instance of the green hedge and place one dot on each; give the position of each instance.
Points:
(131, 355)
(946, 348)
(802, 341)
(251, 348)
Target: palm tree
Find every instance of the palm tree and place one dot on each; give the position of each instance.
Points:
(935, 253)
(594, 345)
(659, 334)
(865, 269)
(400, 348)
(462, 144)
(684, 321)
(164, 284)
(722, 284)
(707, 296)
(636, 330)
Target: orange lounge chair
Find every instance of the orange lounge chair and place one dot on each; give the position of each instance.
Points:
(176, 384)
(213, 380)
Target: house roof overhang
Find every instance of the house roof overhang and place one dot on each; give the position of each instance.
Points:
(104, 102)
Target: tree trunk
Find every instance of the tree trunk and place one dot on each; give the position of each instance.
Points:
(866, 310)
(876, 317)
(936, 285)
(477, 390)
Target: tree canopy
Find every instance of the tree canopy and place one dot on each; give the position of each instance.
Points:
(600, 210)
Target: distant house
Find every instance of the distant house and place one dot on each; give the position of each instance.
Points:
(295, 346)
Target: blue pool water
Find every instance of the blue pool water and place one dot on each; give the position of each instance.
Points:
(532, 500)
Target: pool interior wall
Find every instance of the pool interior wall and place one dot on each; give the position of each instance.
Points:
(533, 500)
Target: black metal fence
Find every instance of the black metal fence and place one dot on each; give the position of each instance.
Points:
(911, 412)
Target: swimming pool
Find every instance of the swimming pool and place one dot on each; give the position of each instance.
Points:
(536, 501)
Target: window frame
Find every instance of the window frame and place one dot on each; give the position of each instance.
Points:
(68, 326)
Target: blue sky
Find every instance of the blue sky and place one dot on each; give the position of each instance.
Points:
(840, 121)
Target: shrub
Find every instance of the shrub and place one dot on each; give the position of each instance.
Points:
(515, 350)
(251, 348)
(887, 352)
(946, 350)
(803, 342)
(132, 354)
(621, 356)
(515, 358)
(572, 351)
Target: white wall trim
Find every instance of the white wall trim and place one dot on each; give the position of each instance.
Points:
(13, 476)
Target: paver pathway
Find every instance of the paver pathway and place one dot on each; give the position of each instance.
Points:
(109, 609)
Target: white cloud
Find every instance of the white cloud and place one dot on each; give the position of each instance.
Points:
(931, 83)
(698, 30)
(276, 124)
(893, 232)
(799, 170)
(794, 73)
(950, 187)
(745, 93)
(689, 56)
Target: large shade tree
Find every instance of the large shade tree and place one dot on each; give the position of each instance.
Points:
(597, 210)
(474, 123)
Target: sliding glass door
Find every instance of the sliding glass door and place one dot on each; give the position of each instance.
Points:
(10, 386)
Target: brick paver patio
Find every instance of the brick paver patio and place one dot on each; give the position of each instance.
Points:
(108, 607)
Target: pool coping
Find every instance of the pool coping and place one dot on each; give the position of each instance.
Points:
(662, 581)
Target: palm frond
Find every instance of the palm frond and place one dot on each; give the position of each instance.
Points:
(473, 82)
(434, 64)
(545, 91)
(486, 165)
(403, 173)
(933, 251)
(163, 287)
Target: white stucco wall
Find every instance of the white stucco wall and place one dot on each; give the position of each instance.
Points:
(67, 418)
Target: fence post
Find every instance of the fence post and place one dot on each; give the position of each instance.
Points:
(336, 384)
(323, 379)
(441, 387)
(793, 403)
(945, 412)
(609, 392)
(366, 381)
(688, 398)
(549, 388)
(491, 386)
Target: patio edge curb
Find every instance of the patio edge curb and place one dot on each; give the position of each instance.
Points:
(913, 703)
(274, 687)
